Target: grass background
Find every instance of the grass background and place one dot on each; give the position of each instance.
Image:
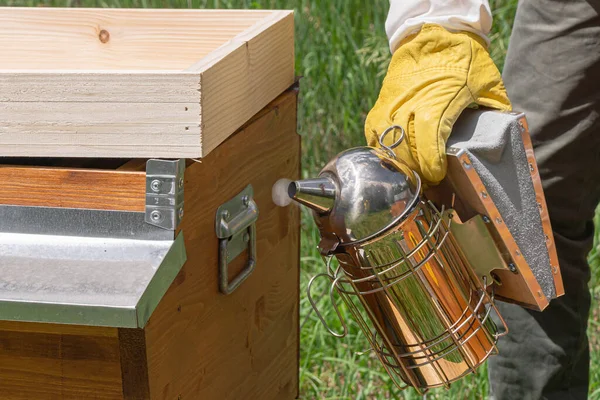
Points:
(342, 53)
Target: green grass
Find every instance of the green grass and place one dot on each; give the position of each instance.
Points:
(342, 54)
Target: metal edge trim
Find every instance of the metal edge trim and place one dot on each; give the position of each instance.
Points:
(455, 151)
(161, 281)
(106, 316)
(79, 222)
(68, 314)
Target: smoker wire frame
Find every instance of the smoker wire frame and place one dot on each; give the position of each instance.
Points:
(399, 364)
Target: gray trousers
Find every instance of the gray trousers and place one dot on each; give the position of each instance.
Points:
(552, 73)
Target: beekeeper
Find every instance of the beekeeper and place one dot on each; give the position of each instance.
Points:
(440, 66)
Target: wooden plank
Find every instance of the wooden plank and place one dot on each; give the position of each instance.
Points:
(81, 330)
(45, 366)
(241, 78)
(92, 113)
(115, 39)
(206, 345)
(134, 365)
(73, 188)
(102, 150)
(136, 164)
(104, 87)
(119, 129)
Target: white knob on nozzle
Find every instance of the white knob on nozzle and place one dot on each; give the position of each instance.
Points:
(280, 193)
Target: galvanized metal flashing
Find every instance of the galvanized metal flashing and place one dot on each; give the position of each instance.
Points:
(93, 267)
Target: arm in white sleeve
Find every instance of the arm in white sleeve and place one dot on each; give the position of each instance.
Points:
(407, 16)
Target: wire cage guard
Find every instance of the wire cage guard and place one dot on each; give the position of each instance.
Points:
(418, 301)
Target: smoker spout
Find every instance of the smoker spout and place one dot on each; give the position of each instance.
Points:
(318, 193)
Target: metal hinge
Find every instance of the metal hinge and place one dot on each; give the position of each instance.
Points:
(235, 227)
(164, 193)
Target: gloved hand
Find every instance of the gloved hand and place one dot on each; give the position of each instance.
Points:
(433, 76)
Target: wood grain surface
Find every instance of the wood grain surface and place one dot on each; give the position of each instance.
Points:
(134, 364)
(202, 344)
(252, 70)
(126, 130)
(164, 84)
(47, 362)
(98, 87)
(115, 39)
(52, 329)
(73, 188)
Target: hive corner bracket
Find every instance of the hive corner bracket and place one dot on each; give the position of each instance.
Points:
(164, 193)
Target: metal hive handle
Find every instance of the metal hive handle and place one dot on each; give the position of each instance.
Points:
(235, 227)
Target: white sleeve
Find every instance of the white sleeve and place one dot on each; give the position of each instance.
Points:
(407, 16)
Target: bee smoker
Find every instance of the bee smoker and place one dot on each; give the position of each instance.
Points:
(419, 282)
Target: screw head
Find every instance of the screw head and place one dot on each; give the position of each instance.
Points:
(180, 183)
(156, 216)
(155, 185)
(498, 220)
(512, 267)
(484, 195)
(225, 214)
(245, 200)
(486, 219)
(181, 213)
(246, 237)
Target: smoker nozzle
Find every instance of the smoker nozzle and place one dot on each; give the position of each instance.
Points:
(318, 194)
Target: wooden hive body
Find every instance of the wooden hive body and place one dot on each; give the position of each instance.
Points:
(198, 343)
(87, 96)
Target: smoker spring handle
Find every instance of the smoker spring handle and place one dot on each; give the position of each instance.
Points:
(334, 282)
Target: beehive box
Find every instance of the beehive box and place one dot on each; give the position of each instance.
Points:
(136, 83)
(129, 270)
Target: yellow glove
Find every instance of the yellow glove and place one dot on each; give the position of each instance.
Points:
(432, 78)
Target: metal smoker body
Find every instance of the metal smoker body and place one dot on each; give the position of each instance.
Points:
(401, 273)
